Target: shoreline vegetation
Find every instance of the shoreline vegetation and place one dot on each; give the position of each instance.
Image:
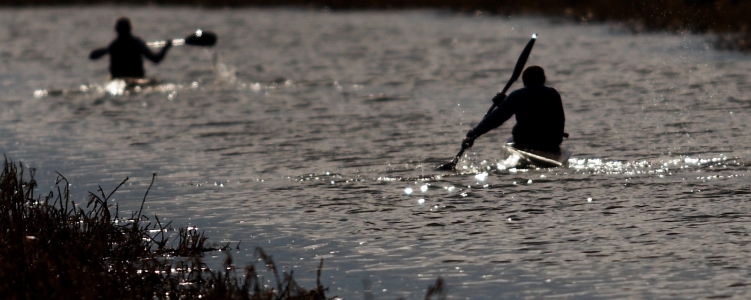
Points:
(54, 248)
(727, 19)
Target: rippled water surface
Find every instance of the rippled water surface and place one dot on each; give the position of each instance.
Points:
(304, 132)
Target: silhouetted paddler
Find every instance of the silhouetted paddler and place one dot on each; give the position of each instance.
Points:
(126, 52)
(539, 114)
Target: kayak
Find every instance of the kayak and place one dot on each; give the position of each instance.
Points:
(115, 87)
(537, 158)
(137, 81)
(121, 86)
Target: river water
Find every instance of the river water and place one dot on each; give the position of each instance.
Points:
(303, 131)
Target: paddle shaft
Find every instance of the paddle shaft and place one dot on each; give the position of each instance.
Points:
(198, 38)
(157, 44)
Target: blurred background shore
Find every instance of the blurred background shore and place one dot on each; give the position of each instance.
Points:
(725, 18)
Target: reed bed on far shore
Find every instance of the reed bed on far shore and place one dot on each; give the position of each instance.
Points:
(54, 248)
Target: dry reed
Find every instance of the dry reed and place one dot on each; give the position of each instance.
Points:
(53, 248)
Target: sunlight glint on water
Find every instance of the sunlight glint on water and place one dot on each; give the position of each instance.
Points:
(314, 135)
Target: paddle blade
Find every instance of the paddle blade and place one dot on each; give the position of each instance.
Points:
(201, 38)
(521, 62)
(518, 68)
(452, 164)
(447, 166)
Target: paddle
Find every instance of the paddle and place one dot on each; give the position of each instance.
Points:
(198, 38)
(517, 71)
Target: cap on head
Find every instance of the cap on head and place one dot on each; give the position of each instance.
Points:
(533, 75)
(123, 25)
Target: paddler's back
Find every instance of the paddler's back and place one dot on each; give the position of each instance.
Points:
(125, 57)
(540, 119)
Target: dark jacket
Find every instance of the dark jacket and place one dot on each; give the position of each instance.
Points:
(126, 54)
(539, 117)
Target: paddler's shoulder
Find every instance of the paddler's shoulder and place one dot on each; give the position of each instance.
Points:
(524, 91)
(138, 40)
(129, 39)
(542, 88)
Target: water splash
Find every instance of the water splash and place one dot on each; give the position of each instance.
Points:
(224, 74)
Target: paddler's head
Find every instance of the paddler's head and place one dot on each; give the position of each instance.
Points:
(123, 26)
(533, 76)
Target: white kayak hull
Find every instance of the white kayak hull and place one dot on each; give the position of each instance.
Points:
(538, 158)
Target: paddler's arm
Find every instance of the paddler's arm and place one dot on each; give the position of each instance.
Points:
(504, 110)
(98, 53)
(156, 58)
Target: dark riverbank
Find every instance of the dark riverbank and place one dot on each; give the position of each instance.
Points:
(58, 249)
(727, 17)
(55, 248)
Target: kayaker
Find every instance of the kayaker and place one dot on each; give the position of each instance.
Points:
(539, 114)
(126, 52)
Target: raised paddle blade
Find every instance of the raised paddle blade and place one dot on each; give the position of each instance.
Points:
(518, 68)
(521, 62)
(201, 38)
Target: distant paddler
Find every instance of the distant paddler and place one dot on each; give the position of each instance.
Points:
(127, 52)
(539, 115)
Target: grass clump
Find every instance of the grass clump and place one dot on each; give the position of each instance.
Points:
(54, 248)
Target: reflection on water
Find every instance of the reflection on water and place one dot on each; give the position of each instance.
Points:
(315, 135)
